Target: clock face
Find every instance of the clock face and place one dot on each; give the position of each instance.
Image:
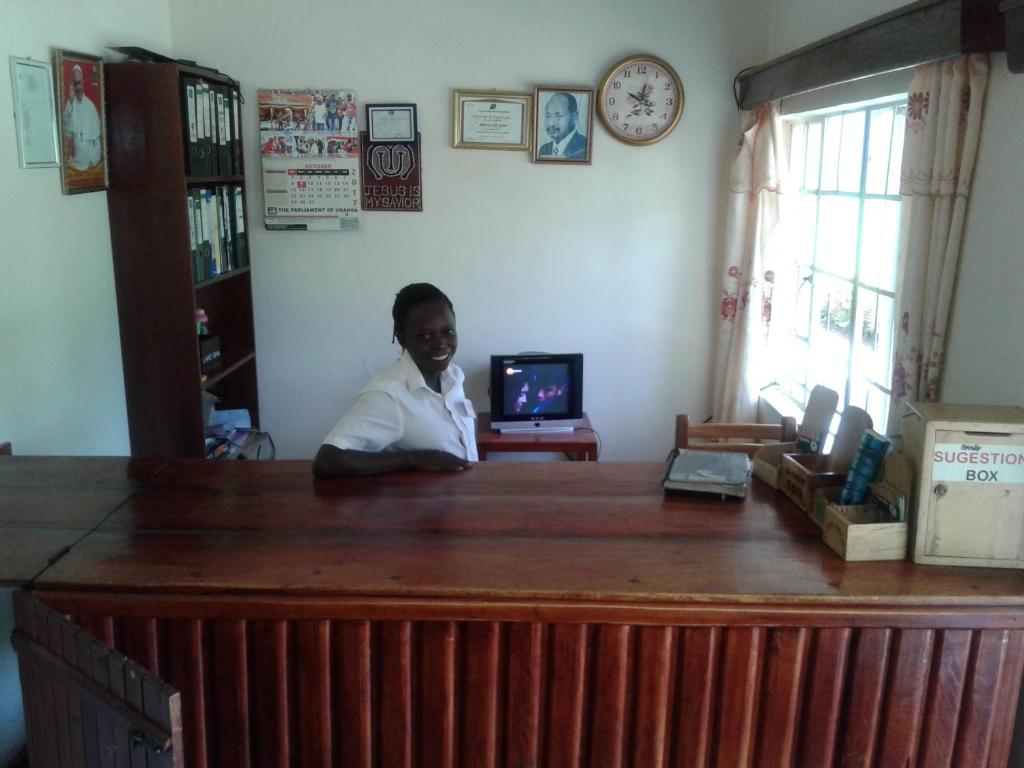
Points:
(641, 100)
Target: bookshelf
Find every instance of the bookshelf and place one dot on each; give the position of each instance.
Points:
(155, 272)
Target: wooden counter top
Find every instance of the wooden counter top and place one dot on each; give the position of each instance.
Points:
(507, 532)
(562, 613)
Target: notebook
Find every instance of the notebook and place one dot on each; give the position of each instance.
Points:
(715, 472)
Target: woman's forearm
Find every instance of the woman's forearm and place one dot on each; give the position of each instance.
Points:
(335, 462)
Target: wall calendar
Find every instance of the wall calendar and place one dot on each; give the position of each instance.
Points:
(309, 147)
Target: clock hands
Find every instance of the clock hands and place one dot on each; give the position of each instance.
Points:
(641, 98)
(643, 103)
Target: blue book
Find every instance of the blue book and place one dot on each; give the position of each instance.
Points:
(865, 468)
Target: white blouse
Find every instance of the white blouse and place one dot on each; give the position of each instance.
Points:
(397, 411)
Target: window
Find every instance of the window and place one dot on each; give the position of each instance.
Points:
(843, 231)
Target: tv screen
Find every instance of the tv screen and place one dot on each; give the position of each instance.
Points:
(536, 391)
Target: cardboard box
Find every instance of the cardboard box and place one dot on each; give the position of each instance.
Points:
(968, 504)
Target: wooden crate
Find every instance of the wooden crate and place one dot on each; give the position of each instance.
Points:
(854, 531)
(854, 535)
(767, 461)
(802, 474)
(968, 505)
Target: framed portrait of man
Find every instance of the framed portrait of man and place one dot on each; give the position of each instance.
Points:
(563, 126)
(81, 117)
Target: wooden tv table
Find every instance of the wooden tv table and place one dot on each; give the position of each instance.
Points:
(580, 444)
(513, 614)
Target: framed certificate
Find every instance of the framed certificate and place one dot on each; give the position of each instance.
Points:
(391, 122)
(35, 116)
(491, 120)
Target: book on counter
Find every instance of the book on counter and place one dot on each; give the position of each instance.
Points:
(721, 473)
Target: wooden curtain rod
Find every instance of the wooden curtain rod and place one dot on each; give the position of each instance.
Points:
(922, 32)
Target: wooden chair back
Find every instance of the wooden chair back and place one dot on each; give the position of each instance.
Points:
(5, 449)
(721, 436)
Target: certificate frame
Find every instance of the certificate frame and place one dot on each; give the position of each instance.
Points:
(492, 119)
(383, 119)
(75, 176)
(33, 117)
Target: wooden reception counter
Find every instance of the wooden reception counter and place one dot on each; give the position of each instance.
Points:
(554, 614)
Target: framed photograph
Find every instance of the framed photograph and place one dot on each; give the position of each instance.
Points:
(35, 120)
(563, 128)
(83, 130)
(391, 122)
(491, 120)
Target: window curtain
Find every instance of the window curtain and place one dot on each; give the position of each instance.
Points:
(748, 273)
(944, 112)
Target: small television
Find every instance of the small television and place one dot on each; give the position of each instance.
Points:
(535, 392)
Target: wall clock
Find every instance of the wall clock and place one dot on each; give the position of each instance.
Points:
(640, 99)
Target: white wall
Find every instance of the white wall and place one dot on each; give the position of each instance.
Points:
(616, 260)
(796, 23)
(985, 355)
(61, 386)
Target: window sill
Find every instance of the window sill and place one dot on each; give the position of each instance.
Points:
(773, 404)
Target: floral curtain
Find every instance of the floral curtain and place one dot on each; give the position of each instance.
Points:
(748, 275)
(944, 111)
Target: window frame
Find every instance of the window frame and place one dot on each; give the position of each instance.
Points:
(794, 382)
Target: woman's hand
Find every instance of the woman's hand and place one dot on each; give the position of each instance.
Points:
(438, 461)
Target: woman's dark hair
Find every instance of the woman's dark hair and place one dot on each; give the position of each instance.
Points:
(413, 295)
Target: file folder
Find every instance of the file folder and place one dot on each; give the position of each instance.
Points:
(236, 133)
(192, 242)
(228, 224)
(188, 118)
(223, 132)
(205, 127)
(209, 265)
(241, 238)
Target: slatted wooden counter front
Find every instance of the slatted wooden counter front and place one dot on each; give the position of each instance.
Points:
(516, 615)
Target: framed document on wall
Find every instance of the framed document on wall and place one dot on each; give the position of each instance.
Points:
(35, 119)
(491, 120)
(391, 122)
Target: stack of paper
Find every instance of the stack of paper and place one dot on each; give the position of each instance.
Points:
(716, 472)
